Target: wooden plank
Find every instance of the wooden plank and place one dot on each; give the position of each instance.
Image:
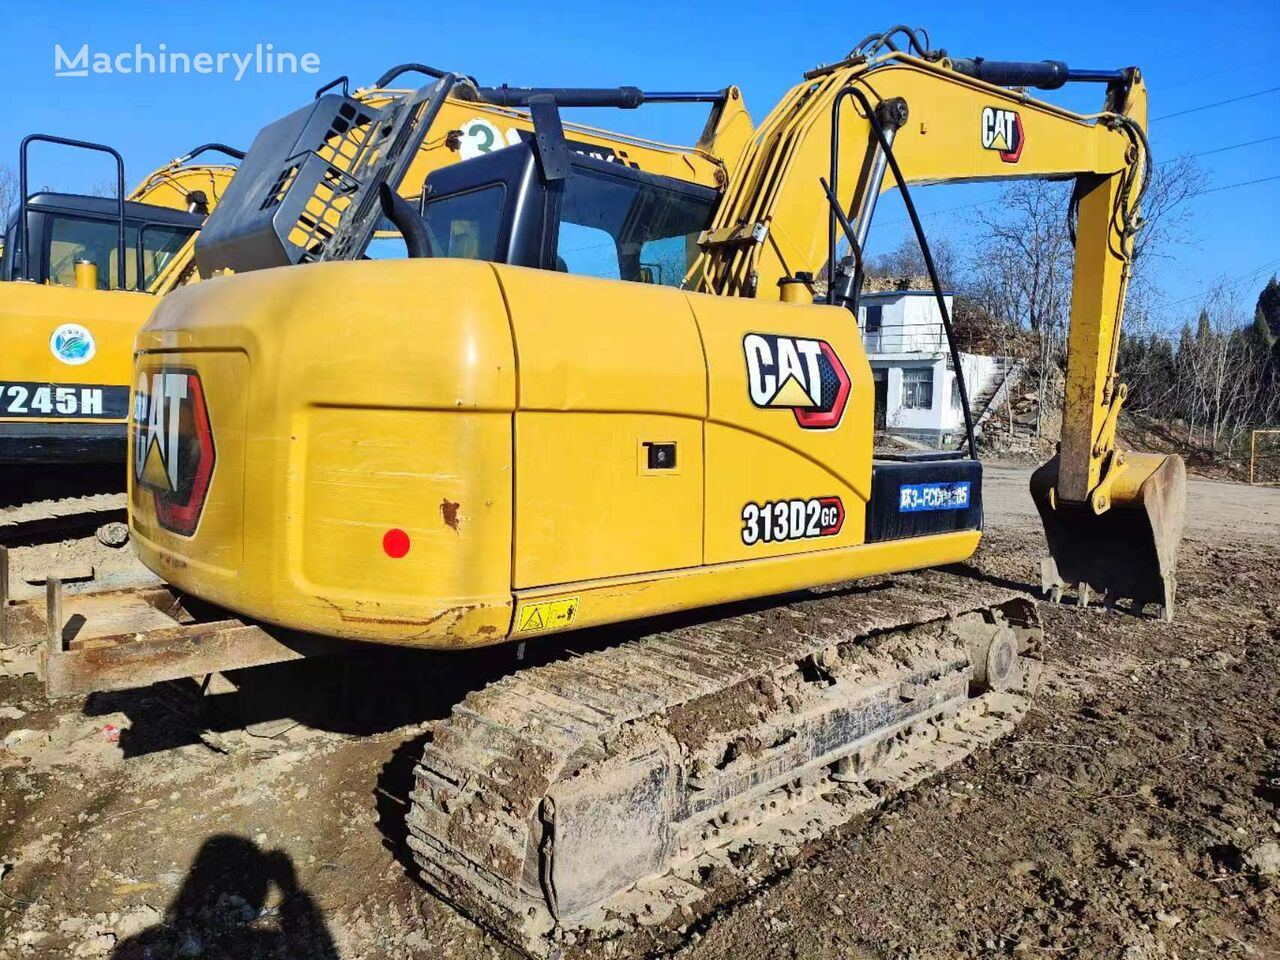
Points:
(103, 613)
(53, 615)
(116, 613)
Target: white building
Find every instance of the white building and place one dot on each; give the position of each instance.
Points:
(917, 395)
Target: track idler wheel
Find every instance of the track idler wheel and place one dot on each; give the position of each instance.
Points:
(994, 652)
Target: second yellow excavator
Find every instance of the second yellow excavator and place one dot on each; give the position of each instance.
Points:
(593, 394)
(81, 275)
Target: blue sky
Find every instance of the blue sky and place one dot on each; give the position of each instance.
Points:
(1192, 54)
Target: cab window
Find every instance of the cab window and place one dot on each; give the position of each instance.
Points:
(466, 225)
(628, 229)
(74, 238)
(587, 251)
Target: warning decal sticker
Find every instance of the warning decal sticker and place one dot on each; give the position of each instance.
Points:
(546, 614)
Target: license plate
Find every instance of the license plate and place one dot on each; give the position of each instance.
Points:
(29, 400)
(915, 497)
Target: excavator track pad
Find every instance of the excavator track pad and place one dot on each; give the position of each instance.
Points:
(590, 792)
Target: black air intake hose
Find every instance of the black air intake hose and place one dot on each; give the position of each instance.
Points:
(231, 152)
(403, 68)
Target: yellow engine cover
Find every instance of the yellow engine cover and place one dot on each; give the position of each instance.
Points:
(448, 452)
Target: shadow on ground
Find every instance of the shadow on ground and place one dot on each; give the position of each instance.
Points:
(373, 690)
(240, 901)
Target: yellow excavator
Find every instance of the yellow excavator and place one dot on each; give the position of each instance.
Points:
(592, 394)
(83, 272)
(69, 328)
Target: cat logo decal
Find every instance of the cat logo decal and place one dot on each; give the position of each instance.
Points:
(173, 451)
(797, 374)
(1002, 132)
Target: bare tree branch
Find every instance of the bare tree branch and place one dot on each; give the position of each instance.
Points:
(1164, 211)
(8, 191)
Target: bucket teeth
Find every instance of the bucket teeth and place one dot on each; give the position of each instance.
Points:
(1130, 550)
(753, 735)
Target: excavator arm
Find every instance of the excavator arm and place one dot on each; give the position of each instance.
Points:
(1113, 518)
(872, 123)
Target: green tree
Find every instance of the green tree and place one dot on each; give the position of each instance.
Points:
(1266, 317)
(1203, 328)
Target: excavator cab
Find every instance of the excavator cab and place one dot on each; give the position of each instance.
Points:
(96, 243)
(82, 273)
(598, 217)
(321, 185)
(67, 232)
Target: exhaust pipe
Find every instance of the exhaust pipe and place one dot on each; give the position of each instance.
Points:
(404, 218)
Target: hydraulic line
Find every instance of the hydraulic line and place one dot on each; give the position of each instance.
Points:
(887, 147)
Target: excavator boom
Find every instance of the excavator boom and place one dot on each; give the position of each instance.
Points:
(876, 122)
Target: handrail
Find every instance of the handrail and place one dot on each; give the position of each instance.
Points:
(22, 255)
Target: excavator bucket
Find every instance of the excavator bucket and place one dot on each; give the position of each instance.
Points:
(1128, 551)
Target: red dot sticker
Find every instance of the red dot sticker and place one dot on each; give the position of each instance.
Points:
(396, 543)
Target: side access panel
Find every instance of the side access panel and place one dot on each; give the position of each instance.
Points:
(609, 420)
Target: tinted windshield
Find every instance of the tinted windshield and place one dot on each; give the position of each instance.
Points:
(69, 239)
(629, 229)
(621, 227)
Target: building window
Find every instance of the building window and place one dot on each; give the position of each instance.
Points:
(917, 388)
(955, 394)
(872, 322)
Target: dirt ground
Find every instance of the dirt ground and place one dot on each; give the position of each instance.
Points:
(1135, 814)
